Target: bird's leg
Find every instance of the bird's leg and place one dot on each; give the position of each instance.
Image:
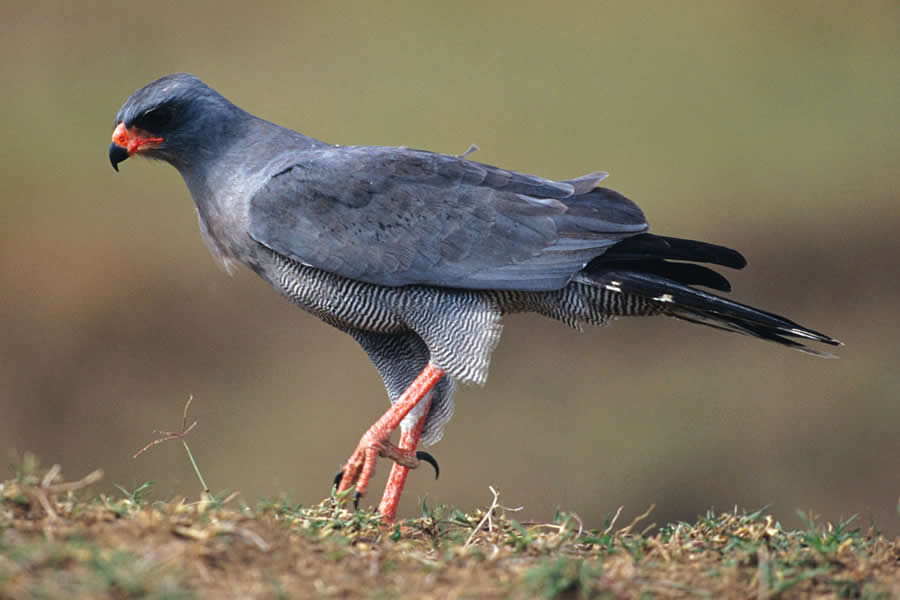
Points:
(397, 479)
(374, 442)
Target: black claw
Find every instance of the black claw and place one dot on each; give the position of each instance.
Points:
(356, 497)
(430, 460)
(338, 477)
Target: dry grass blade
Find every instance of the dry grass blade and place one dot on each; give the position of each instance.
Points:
(627, 529)
(612, 522)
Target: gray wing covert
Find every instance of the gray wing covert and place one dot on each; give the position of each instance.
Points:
(393, 216)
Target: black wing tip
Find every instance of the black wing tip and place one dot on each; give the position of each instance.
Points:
(736, 260)
(652, 246)
(684, 273)
(725, 257)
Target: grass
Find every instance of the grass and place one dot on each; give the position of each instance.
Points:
(58, 540)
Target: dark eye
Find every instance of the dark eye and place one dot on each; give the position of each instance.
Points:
(155, 119)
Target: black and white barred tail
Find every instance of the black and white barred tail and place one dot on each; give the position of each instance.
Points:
(649, 267)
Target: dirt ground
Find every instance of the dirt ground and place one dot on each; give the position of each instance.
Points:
(59, 541)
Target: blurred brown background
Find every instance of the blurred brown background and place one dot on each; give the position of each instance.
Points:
(770, 127)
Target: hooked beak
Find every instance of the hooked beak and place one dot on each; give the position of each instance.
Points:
(126, 142)
(117, 154)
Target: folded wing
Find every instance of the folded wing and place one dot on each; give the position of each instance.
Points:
(393, 216)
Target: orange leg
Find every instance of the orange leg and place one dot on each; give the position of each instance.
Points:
(397, 480)
(374, 443)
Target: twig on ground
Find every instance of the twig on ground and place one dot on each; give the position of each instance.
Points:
(495, 503)
(44, 493)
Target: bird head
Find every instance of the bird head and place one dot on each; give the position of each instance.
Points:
(177, 118)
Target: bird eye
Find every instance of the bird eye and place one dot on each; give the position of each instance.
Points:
(155, 119)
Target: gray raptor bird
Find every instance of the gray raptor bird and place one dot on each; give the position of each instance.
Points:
(418, 255)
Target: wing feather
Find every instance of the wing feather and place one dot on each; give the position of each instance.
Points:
(393, 216)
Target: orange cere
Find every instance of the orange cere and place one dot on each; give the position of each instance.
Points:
(134, 139)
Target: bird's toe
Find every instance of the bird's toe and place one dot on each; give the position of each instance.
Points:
(425, 456)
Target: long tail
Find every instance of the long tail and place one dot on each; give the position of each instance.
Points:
(638, 266)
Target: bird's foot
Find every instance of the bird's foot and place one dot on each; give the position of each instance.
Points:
(360, 467)
(408, 458)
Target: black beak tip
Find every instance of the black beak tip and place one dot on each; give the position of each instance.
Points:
(116, 155)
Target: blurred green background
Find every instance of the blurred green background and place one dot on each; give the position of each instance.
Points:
(770, 127)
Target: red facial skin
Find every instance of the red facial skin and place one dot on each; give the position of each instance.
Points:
(134, 139)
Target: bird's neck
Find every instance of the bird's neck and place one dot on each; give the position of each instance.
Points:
(241, 160)
(223, 184)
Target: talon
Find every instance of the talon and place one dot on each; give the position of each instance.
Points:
(421, 455)
(338, 477)
(356, 497)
